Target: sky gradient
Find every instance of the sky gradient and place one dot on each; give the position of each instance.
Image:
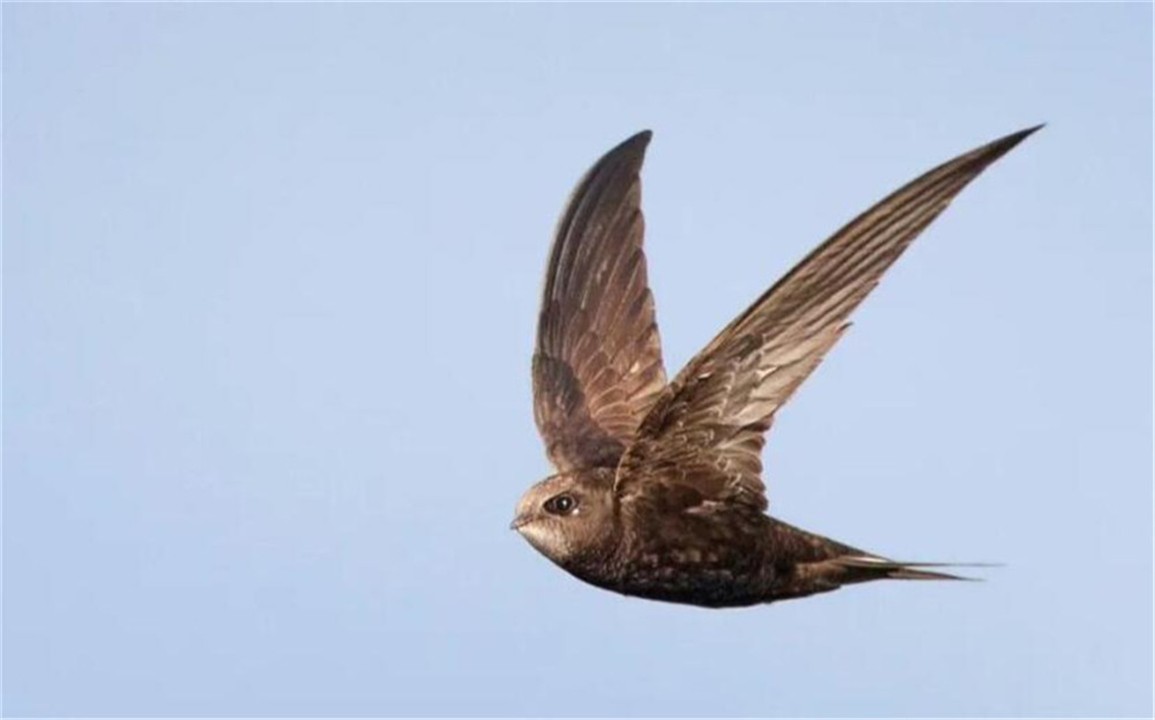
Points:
(271, 276)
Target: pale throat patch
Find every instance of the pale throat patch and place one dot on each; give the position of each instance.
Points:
(545, 539)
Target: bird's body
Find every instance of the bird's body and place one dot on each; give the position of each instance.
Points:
(680, 552)
(659, 492)
(676, 556)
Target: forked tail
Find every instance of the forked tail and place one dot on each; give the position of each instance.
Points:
(821, 576)
(821, 565)
(861, 568)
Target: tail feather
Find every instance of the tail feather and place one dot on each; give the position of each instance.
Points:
(811, 563)
(872, 567)
(821, 576)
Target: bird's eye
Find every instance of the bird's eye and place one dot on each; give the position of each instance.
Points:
(561, 505)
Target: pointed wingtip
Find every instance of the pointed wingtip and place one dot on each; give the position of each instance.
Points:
(1018, 137)
(632, 150)
(1004, 144)
(972, 163)
(637, 142)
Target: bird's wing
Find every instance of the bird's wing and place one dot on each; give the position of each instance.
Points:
(705, 432)
(597, 367)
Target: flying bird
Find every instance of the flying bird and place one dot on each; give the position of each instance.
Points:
(658, 491)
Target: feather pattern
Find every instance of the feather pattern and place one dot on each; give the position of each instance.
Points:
(597, 367)
(706, 430)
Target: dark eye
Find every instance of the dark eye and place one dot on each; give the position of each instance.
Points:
(561, 505)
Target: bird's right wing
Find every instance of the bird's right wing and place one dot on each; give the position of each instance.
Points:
(597, 368)
(701, 444)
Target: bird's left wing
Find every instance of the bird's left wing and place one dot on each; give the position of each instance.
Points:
(597, 368)
(701, 444)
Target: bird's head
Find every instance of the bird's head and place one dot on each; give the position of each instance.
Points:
(569, 515)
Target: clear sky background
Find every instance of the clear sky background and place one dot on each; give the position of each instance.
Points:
(271, 276)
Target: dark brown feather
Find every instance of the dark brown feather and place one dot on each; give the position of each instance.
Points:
(598, 363)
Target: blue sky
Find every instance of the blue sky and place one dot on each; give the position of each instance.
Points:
(270, 286)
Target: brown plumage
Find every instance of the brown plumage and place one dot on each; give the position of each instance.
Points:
(659, 490)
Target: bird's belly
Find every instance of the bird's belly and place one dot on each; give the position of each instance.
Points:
(693, 578)
(701, 586)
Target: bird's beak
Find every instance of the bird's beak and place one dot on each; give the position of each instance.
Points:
(518, 521)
